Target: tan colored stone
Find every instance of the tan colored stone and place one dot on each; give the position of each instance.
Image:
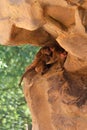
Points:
(58, 99)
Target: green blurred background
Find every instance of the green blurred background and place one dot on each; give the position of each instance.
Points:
(14, 113)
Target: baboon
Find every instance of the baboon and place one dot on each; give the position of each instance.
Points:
(40, 61)
(45, 58)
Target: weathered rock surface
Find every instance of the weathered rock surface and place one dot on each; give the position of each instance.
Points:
(24, 20)
(58, 98)
(62, 19)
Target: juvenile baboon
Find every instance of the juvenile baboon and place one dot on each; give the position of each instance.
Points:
(45, 58)
(40, 61)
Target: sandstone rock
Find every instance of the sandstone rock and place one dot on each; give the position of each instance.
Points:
(58, 98)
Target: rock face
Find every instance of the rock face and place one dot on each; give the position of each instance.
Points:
(57, 99)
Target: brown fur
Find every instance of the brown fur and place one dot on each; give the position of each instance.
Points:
(40, 61)
(47, 56)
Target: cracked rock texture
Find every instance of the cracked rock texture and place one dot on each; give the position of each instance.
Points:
(57, 99)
